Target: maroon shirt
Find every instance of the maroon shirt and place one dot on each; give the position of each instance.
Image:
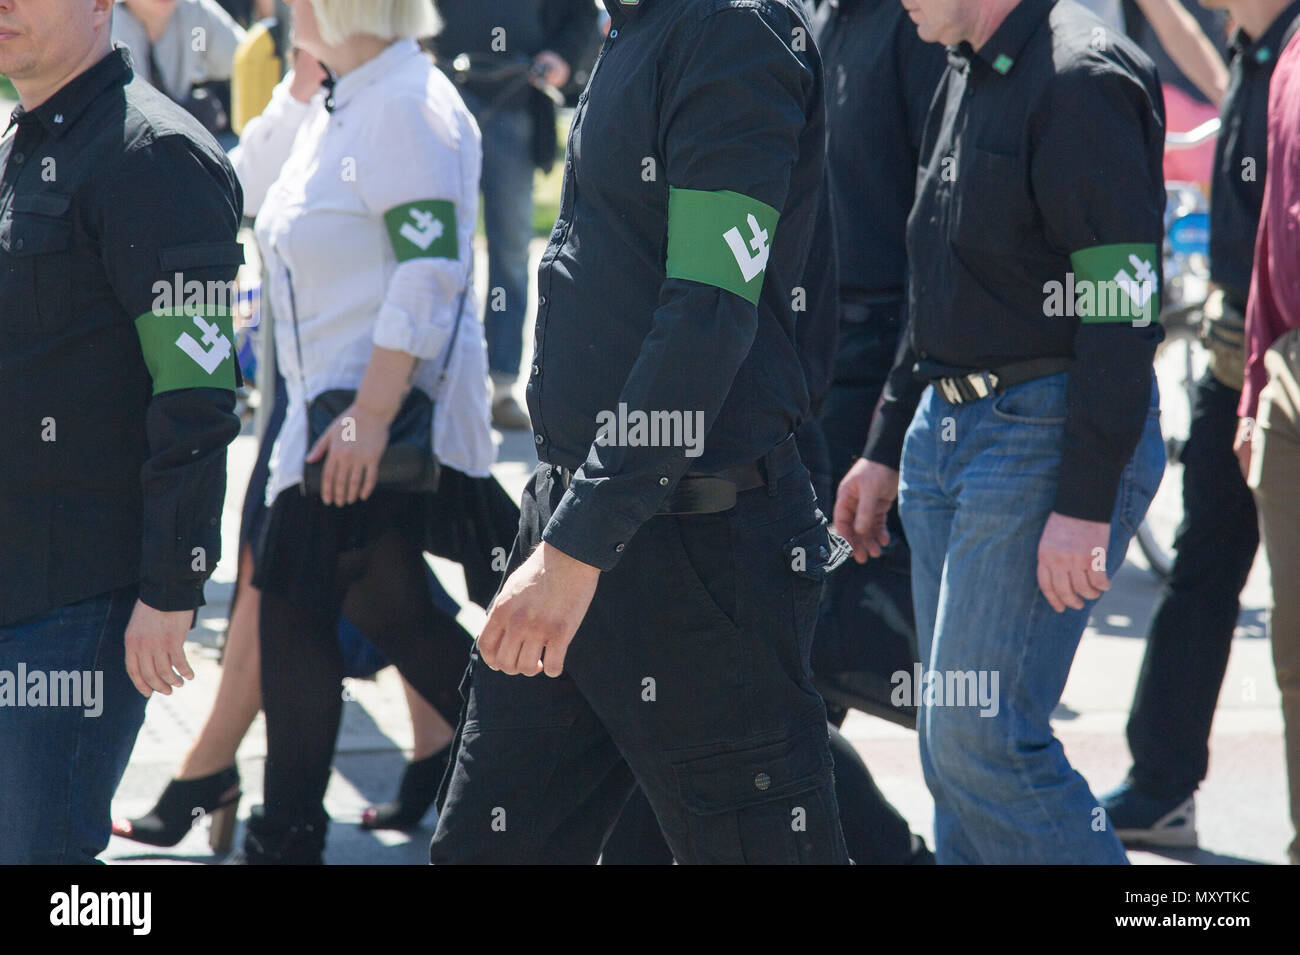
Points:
(1274, 302)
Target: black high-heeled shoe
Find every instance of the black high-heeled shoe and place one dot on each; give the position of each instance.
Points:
(414, 797)
(181, 804)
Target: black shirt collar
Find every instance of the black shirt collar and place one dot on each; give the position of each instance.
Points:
(58, 113)
(1261, 52)
(620, 11)
(1003, 48)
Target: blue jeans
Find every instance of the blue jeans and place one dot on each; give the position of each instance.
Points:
(60, 764)
(507, 184)
(978, 483)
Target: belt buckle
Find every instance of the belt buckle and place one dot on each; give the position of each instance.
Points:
(984, 383)
(950, 390)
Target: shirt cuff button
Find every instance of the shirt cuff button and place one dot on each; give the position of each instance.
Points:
(537, 439)
(663, 482)
(618, 548)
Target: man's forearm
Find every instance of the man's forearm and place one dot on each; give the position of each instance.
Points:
(1188, 46)
(183, 489)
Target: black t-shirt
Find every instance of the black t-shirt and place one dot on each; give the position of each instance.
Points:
(1241, 157)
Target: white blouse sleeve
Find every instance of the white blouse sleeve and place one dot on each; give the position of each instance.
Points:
(267, 141)
(421, 177)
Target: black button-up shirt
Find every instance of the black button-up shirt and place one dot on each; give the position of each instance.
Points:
(111, 473)
(1041, 176)
(880, 80)
(1241, 157)
(712, 109)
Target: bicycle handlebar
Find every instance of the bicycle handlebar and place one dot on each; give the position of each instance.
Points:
(1194, 137)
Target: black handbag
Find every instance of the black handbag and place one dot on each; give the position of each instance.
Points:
(409, 462)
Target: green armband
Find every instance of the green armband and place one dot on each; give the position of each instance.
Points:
(721, 239)
(188, 348)
(1117, 283)
(423, 230)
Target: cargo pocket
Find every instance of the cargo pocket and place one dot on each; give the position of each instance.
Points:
(766, 804)
(811, 555)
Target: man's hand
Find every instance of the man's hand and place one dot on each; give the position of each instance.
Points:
(538, 609)
(352, 446)
(556, 66)
(1072, 561)
(862, 503)
(1241, 444)
(155, 649)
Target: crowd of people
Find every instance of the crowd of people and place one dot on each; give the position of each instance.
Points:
(806, 222)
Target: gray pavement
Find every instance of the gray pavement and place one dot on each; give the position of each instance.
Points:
(1242, 812)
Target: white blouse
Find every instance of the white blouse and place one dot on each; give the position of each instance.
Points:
(321, 184)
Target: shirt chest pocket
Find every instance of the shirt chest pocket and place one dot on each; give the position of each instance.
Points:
(39, 248)
(992, 210)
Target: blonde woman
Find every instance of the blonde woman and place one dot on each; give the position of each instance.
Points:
(366, 234)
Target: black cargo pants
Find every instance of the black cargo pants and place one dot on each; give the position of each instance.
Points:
(690, 675)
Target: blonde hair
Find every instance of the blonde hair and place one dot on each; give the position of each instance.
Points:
(386, 19)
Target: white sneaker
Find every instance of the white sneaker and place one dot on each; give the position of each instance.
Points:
(1175, 829)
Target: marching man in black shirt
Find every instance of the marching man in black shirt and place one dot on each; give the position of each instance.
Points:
(118, 216)
(1034, 452)
(670, 556)
(1190, 634)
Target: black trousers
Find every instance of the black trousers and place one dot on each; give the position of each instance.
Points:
(689, 675)
(1191, 633)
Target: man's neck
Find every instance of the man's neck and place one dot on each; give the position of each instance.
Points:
(32, 93)
(987, 20)
(1256, 16)
(154, 23)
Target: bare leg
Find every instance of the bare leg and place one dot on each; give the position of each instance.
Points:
(430, 730)
(239, 696)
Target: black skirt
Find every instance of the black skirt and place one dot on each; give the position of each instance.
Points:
(471, 521)
(303, 539)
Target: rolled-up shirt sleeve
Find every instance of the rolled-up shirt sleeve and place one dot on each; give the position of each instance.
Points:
(421, 177)
(727, 182)
(168, 222)
(1101, 196)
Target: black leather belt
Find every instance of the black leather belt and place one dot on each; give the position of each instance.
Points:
(698, 493)
(960, 388)
(716, 491)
